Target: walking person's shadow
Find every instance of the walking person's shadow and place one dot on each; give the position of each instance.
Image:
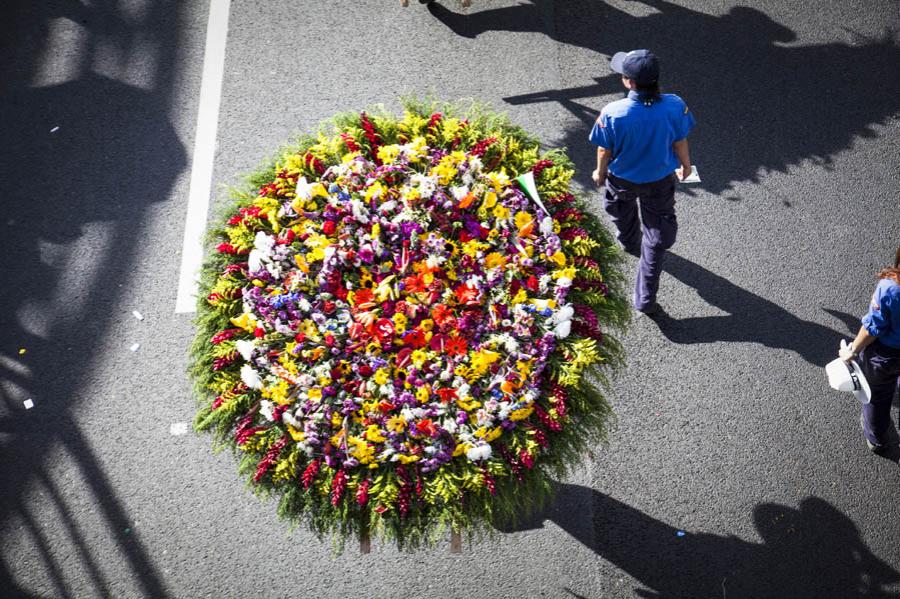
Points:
(763, 102)
(749, 318)
(811, 551)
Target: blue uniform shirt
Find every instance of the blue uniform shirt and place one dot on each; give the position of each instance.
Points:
(640, 137)
(883, 319)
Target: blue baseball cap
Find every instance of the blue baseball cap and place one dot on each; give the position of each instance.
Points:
(640, 65)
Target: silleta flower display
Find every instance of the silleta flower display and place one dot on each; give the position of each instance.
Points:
(395, 334)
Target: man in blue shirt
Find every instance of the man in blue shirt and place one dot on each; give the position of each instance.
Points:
(641, 142)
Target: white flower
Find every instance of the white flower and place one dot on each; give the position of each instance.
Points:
(546, 226)
(388, 206)
(564, 282)
(304, 189)
(265, 408)
(304, 304)
(250, 377)
(254, 261)
(245, 348)
(264, 243)
(563, 329)
(563, 314)
(482, 452)
(459, 192)
(289, 419)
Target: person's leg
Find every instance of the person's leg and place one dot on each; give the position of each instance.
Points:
(620, 202)
(657, 204)
(881, 366)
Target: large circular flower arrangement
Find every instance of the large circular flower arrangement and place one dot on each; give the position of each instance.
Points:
(396, 334)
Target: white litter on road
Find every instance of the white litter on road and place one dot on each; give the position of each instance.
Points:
(135, 347)
(54, 130)
(178, 428)
(28, 404)
(137, 315)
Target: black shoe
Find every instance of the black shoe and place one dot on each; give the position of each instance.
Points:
(650, 309)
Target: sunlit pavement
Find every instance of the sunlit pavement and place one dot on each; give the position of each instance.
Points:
(735, 471)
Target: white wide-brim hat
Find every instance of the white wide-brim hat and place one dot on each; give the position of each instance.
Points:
(848, 376)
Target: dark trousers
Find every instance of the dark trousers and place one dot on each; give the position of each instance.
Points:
(881, 365)
(656, 202)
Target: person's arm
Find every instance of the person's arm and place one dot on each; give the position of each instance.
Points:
(683, 153)
(863, 339)
(599, 174)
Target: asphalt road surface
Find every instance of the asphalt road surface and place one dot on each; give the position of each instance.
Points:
(734, 472)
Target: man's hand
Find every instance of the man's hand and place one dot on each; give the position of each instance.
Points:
(683, 171)
(598, 177)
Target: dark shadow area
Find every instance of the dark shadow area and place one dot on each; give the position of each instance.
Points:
(761, 104)
(750, 318)
(83, 159)
(812, 551)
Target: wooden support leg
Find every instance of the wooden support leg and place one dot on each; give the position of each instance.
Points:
(455, 541)
(404, 2)
(365, 543)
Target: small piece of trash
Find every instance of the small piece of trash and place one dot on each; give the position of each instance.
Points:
(137, 315)
(55, 129)
(28, 404)
(22, 351)
(135, 347)
(680, 533)
(127, 531)
(178, 428)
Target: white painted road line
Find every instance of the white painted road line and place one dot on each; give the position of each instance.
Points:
(204, 152)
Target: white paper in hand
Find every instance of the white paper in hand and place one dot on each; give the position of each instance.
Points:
(694, 177)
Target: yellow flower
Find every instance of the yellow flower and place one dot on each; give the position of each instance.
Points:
(559, 258)
(396, 424)
(423, 393)
(522, 219)
(482, 360)
(388, 154)
(373, 434)
(564, 272)
(381, 376)
(426, 325)
(490, 200)
(418, 357)
(400, 321)
(295, 434)
(407, 459)
(521, 296)
(494, 259)
(501, 212)
(245, 321)
(315, 394)
(461, 448)
(521, 413)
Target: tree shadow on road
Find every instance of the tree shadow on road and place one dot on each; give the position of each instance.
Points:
(86, 157)
(760, 103)
(812, 551)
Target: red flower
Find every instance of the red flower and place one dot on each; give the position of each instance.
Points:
(455, 346)
(365, 370)
(447, 395)
(328, 227)
(466, 294)
(259, 333)
(426, 427)
(384, 330)
(414, 338)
